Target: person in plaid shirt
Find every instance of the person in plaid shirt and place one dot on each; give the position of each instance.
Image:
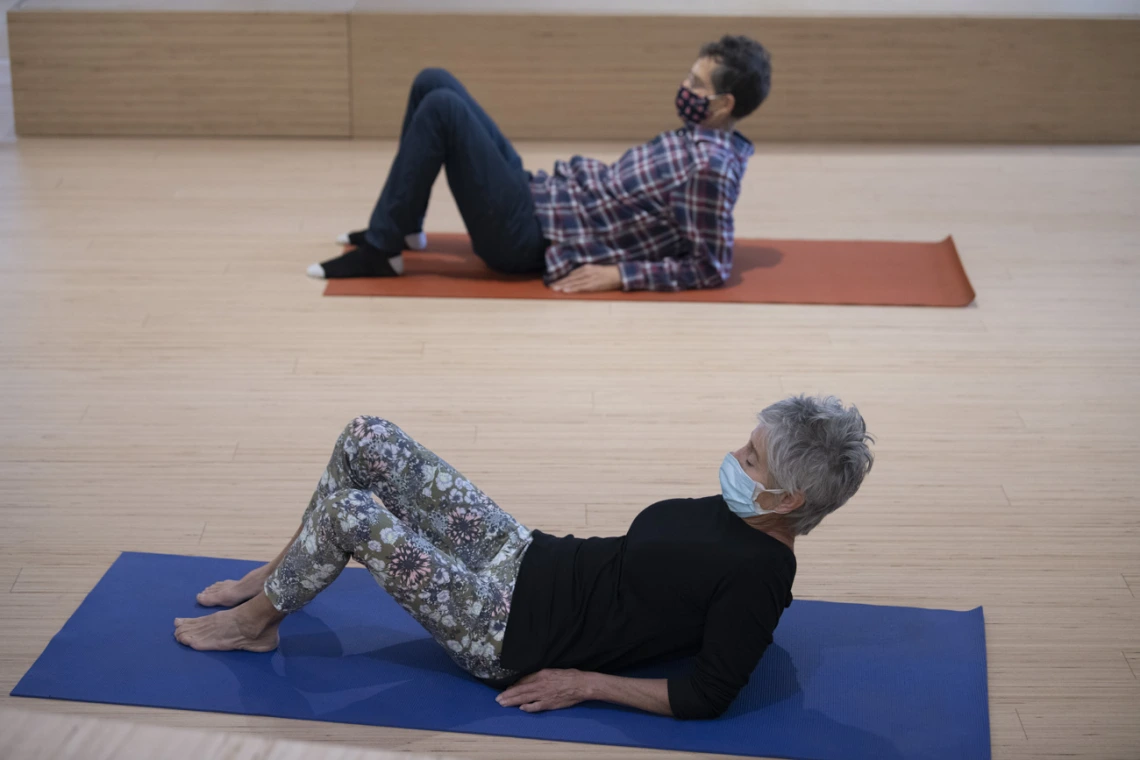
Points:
(660, 218)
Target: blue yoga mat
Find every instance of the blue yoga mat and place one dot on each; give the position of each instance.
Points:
(841, 681)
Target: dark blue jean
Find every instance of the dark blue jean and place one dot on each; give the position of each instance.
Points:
(444, 126)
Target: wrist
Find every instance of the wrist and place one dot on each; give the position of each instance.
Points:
(590, 685)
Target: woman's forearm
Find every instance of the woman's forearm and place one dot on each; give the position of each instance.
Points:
(649, 694)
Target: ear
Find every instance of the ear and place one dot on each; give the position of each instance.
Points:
(790, 502)
(729, 103)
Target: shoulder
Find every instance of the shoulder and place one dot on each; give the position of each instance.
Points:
(761, 586)
(759, 559)
(685, 500)
(732, 143)
(717, 161)
(717, 166)
(705, 505)
(770, 574)
(691, 519)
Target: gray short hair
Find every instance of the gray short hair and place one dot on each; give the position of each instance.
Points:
(817, 447)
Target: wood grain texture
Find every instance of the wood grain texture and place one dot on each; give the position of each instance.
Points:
(795, 8)
(862, 79)
(200, 6)
(207, 6)
(31, 736)
(172, 382)
(267, 67)
(729, 8)
(180, 73)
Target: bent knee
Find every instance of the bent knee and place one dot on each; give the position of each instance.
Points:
(368, 426)
(441, 101)
(350, 508)
(433, 77)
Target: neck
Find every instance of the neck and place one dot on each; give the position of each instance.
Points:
(775, 526)
(725, 125)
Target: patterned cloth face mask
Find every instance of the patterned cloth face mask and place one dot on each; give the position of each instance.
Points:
(691, 107)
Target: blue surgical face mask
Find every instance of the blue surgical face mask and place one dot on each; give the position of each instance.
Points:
(740, 491)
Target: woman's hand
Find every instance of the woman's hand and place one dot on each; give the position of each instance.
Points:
(547, 690)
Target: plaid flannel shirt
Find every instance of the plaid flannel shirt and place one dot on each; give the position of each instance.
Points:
(662, 213)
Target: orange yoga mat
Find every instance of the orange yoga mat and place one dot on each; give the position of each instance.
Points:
(764, 271)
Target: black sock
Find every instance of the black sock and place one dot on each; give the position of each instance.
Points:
(362, 261)
(358, 238)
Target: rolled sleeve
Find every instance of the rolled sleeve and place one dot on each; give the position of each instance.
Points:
(738, 629)
(689, 273)
(691, 699)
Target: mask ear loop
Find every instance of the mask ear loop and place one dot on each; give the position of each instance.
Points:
(760, 488)
(712, 99)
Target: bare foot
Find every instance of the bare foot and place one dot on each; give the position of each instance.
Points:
(233, 593)
(224, 631)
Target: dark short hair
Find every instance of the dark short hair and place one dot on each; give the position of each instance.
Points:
(744, 69)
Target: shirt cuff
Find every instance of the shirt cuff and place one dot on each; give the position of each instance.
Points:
(684, 702)
(687, 702)
(632, 275)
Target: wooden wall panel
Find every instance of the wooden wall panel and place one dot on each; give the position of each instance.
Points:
(180, 73)
(876, 79)
(144, 72)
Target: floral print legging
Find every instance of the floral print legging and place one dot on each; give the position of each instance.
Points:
(443, 550)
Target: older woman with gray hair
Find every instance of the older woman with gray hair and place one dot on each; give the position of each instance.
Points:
(548, 618)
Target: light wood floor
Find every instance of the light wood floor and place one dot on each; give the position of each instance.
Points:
(25, 735)
(170, 381)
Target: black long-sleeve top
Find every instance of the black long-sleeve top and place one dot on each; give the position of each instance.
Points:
(690, 577)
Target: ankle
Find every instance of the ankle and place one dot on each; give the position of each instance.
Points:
(256, 578)
(257, 616)
(362, 261)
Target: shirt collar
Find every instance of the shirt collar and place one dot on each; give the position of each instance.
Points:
(734, 141)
